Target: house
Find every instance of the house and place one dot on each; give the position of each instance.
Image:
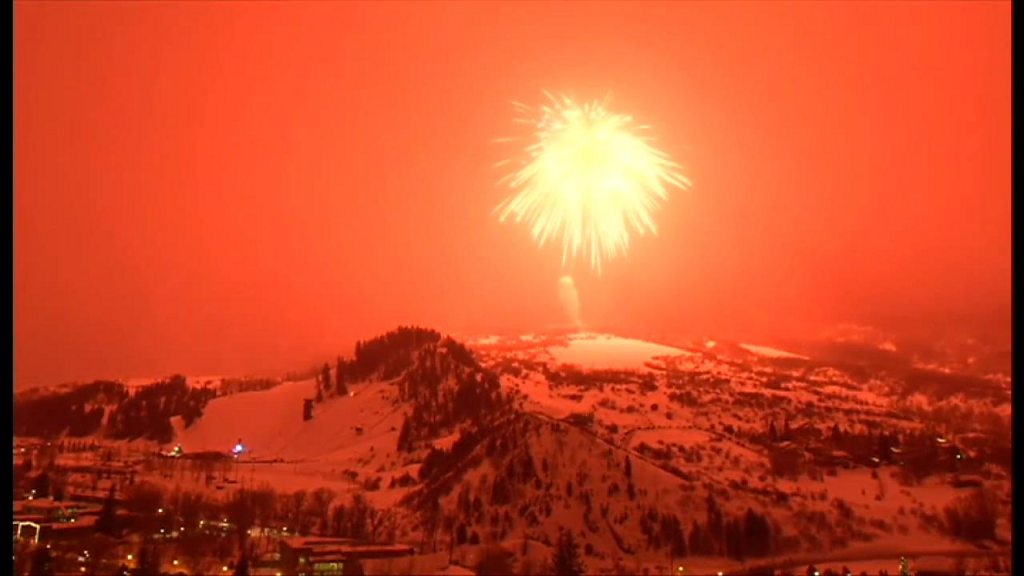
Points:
(47, 510)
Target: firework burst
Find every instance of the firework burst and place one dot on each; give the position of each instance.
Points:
(590, 178)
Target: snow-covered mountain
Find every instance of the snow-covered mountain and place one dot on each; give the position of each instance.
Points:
(722, 453)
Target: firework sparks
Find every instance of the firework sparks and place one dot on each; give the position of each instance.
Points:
(591, 178)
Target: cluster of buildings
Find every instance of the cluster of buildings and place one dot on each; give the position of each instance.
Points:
(46, 520)
(333, 556)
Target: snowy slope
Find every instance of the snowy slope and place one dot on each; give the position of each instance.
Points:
(270, 424)
(769, 352)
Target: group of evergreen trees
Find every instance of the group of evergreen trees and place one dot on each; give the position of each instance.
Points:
(972, 517)
(566, 559)
(76, 412)
(740, 537)
(80, 411)
(147, 413)
(446, 387)
(385, 356)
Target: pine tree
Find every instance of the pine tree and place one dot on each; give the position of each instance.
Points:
(405, 436)
(566, 560)
(696, 539)
(339, 381)
(629, 468)
(326, 377)
(678, 537)
(106, 520)
(773, 434)
(715, 525)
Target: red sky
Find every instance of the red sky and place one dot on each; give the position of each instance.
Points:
(224, 188)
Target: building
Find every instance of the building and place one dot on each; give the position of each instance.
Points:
(47, 510)
(46, 520)
(332, 556)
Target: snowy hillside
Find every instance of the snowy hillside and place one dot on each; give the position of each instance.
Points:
(724, 455)
(271, 426)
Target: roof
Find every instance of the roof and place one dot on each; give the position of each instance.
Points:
(302, 541)
(78, 524)
(344, 547)
(455, 571)
(43, 504)
(36, 518)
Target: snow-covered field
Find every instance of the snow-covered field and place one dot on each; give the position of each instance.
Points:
(602, 351)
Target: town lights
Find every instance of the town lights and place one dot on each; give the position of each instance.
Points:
(223, 568)
(175, 562)
(129, 556)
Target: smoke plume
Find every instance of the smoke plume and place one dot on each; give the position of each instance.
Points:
(570, 299)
